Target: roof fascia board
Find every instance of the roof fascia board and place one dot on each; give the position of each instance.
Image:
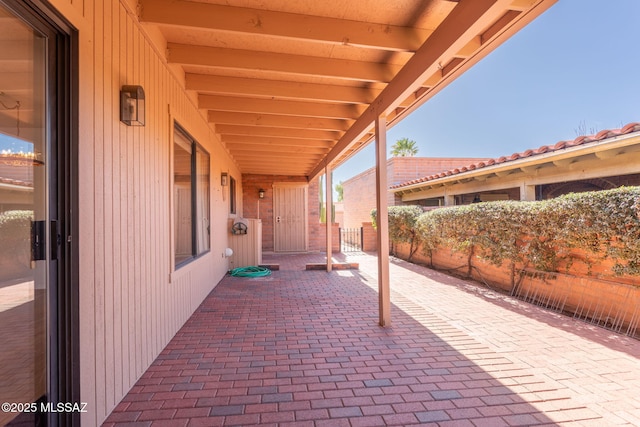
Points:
(16, 187)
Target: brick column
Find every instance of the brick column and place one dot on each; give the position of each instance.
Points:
(335, 240)
(368, 237)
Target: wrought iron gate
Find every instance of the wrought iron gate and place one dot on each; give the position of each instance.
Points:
(350, 239)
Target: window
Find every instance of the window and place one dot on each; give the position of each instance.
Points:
(232, 195)
(191, 197)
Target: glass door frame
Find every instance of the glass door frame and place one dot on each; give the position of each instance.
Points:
(61, 110)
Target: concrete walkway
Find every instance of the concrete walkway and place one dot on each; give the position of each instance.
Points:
(302, 348)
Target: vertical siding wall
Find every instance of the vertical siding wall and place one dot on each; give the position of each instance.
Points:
(131, 303)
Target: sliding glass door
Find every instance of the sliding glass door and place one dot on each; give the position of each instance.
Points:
(31, 214)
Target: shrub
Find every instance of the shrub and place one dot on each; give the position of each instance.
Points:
(15, 235)
(604, 224)
(402, 225)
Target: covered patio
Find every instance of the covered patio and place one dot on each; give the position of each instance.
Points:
(303, 348)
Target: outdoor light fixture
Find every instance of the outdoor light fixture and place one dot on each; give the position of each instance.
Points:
(224, 179)
(261, 193)
(132, 105)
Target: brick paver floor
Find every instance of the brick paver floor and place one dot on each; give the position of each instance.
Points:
(303, 348)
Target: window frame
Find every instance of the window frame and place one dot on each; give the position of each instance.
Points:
(196, 148)
(233, 197)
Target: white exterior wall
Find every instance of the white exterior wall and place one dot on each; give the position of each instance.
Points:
(131, 300)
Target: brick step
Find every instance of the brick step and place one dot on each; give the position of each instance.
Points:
(335, 266)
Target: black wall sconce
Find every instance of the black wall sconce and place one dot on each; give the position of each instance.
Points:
(261, 193)
(224, 179)
(132, 105)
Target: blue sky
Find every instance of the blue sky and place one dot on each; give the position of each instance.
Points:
(575, 66)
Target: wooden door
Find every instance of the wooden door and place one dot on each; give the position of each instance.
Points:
(290, 218)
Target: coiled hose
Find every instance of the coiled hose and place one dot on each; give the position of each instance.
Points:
(250, 272)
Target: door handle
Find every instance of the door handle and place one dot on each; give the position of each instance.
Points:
(38, 241)
(56, 240)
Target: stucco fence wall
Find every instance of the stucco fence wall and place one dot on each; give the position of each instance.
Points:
(590, 293)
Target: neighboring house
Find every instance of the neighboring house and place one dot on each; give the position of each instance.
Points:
(359, 191)
(609, 159)
(339, 213)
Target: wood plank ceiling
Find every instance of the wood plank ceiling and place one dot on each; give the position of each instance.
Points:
(16, 72)
(293, 85)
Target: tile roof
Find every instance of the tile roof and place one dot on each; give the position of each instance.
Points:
(581, 140)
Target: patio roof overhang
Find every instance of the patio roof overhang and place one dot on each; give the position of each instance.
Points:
(292, 87)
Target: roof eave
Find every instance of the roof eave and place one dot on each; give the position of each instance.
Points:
(610, 144)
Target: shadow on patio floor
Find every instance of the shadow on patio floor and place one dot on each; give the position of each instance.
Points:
(303, 348)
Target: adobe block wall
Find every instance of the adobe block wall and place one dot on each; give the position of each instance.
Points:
(360, 191)
(318, 240)
(369, 237)
(587, 292)
(403, 169)
(359, 198)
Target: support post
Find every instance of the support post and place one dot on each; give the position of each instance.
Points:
(449, 199)
(382, 219)
(527, 192)
(329, 210)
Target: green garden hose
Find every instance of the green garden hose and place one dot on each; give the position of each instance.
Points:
(250, 272)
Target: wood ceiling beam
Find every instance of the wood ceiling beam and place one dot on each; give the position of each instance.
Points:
(279, 157)
(498, 26)
(219, 57)
(470, 48)
(274, 141)
(282, 89)
(563, 163)
(16, 51)
(9, 119)
(278, 167)
(16, 82)
(261, 149)
(301, 164)
(530, 169)
(275, 171)
(274, 120)
(282, 24)
(522, 5)
(604, 155)
(468, 19)
(288, 170)
(277, 132)
(269, 106)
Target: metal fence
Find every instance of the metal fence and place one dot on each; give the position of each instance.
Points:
(620, 312)
(351, 239)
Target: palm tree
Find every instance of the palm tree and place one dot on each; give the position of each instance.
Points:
(340, 191)
(404, 148)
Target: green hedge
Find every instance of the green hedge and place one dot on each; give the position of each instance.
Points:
(604, 224)
(15, 235)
